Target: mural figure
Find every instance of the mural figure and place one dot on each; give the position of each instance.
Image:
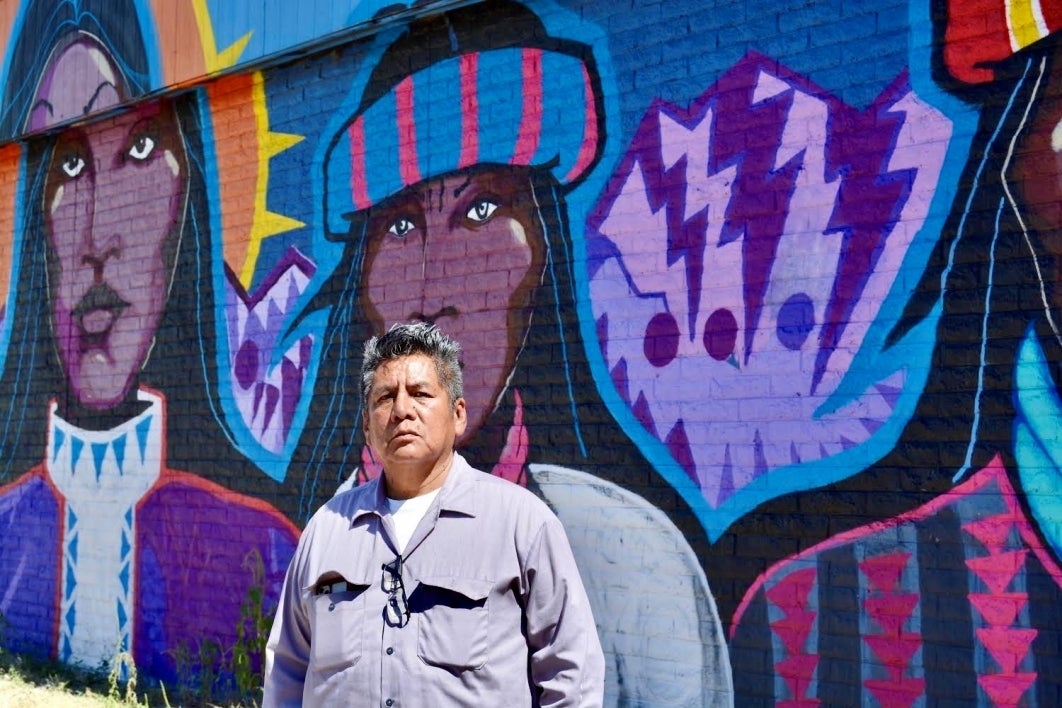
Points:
(451, 204)
(125, 552)
(953, 596)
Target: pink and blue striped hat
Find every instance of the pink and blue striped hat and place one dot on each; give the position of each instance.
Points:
(528, 106)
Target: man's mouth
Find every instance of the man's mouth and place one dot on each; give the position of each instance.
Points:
(96, 313)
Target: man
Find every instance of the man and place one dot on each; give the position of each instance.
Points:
(433, 584)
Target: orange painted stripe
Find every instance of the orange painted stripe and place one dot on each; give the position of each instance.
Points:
(236, 147)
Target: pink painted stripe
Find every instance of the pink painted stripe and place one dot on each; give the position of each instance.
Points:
(589, 147)
(407, 133)
(359, 188)
(469, 111)
(531, 116)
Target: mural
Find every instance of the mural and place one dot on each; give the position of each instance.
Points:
(102, 534)
(763, 304)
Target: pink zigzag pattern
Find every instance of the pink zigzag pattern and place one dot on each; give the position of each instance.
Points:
(790, 595)
(894, 647)
(1000, 609)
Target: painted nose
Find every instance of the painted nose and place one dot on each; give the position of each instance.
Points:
(444, 279)
(103, 242)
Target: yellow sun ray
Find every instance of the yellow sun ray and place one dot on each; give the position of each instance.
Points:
(216, 61)
(270, 144)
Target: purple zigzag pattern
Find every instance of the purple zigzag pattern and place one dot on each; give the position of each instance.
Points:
(739, 255)
(266, 395)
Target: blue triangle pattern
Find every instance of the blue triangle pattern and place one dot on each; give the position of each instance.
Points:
(71, 519)
(125, 544)
(71, 548)
(60, 438)
(124, 578)
(66, 651)
(71, 618)
(98, 451)
(71, 581)
(75, 451)
(142, 429)
(122, 617)
(129, 517)
(119, 451)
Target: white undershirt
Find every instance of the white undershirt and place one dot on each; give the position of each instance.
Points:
(407, 513)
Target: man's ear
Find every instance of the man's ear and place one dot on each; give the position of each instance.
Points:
(460, 417)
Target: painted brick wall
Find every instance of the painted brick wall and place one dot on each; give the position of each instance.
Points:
(761, 298)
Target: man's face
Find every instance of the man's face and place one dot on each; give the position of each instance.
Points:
(409, 421)
(113, 202)
(465, 252)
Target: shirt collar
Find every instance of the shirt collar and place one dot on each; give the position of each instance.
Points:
(455, 495)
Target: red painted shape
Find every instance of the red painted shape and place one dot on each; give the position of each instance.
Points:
(794, 629)
(792, 591)
(895, 652)
(359, 190)
(891, 611)
(997, 571)
(992, 532)
(999, 610)
(884, 572)
(797, 671)
(469, 111)
(1007, 646)
(895, 694)
(1006, 690)
(407, 132)
(531, 114)
(589, 147)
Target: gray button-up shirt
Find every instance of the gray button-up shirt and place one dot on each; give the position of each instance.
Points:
(498, 613)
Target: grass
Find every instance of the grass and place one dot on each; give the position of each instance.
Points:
(27, 682)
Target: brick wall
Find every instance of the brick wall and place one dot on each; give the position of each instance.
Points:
(768, 289)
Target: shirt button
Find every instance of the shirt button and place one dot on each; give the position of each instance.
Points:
(390, 651)
(389, 702)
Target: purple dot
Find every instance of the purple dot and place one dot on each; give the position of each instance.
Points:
(247, 364)
(661, 340)
(796, 319)
(720, 334)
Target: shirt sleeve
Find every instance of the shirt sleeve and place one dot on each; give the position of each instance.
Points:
(288, 649)
(567, 664)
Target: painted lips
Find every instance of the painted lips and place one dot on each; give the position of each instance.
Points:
(96, 312)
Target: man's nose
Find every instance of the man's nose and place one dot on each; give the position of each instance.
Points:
(402, 406)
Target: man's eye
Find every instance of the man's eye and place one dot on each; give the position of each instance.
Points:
(481, 210)
(142, 148)
(73, 165)
(401, 227)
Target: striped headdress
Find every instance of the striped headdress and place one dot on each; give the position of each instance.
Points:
(529, 106)
(980, 33)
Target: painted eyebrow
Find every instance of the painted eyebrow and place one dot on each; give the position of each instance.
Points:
(96, 95)
(461, 187)
(46, 103)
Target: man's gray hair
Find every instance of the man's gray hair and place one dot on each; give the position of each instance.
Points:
(419, 338)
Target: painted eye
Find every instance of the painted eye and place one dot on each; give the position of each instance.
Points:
(481, 210)
(73, 165)
(401, 227)
(142, 148)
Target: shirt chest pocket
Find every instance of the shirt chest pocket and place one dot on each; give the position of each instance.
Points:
(452, 621)
(338, 623)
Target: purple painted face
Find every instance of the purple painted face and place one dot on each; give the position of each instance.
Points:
(466, 252)
(113, 201)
